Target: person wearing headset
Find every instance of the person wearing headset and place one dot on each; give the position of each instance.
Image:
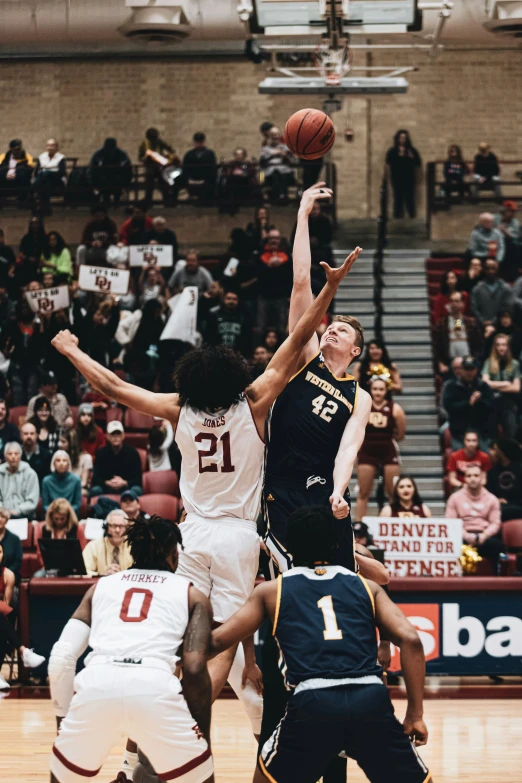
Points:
(110, 554)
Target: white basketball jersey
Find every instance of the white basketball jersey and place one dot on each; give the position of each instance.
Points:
(221, 462)
(138, 613)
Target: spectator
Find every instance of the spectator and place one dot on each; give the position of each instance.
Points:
(474, 274)
(155, 154)
(491, 296)
(455, 172)
(463, 458)
(502, 374)
(257, 230)
(110, 554)
(90, 437)
(505, 325)
(162, 235)
(8, 431)
(27, 269)
(320, 226)
(130, 505)
(96, 330)
(59, 406)
(274, 279)
(271, 341)
(161, 437)
(405, 500)
(402, 162)
(56, 258)
(190, 274)
(507, 223)
(455, 335)
(376, 361)
(199, 169)
(213, 297)
(110, 171)
(36, 456)
(81, 462)
(134, 230)
(151, 284)
(277, 161)
(16, 171)
(117, 466)
(61, 521)
(486, 172)
(505, 478)
(141, 356)
(21, 341)
(7, 261)
(229, 325)
(97, 236)
(45, 424)
(19, 489)
(50, 175)
(480, 514)
(62, 483)
(448, 285)
(11, 545)
(468, 401)
(486, 241)
(237, 181)
(260, 360)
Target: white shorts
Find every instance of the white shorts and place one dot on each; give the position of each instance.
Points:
(220, 558)
(145, 703)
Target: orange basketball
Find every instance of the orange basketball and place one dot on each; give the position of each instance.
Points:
(309, 134)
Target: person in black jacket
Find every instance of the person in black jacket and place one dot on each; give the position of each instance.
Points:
(97, 328)
(11, 545)
(402, 161)
(228, 324)
(117, 466)
(36, 456)
(8, 432)
(22, 342)
(469, 404)
(486, 172)
(199, 168)
(110, 171)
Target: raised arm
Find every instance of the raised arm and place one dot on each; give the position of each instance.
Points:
(282, 367)
(197, 687)
(351, 442)
(163, 406)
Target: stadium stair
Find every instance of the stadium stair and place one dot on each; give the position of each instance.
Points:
(406, 328)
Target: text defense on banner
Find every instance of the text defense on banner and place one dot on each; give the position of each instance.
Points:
(157, 255)
(182, 321)
(418, 547)
(103, 280)
(48, 300)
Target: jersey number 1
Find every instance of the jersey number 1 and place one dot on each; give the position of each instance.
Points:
(332, 630)
(227, 466)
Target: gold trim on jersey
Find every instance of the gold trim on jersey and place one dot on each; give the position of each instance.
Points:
(356, 400)
(365, 583)
(265, 771)
(333, 391)
(304, 366)
(278, 603)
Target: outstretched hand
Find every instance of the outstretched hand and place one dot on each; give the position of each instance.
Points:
(334, 275)
(416, 729)
(64, 341)
(317, 192)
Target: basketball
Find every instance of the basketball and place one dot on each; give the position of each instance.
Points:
(309, 134)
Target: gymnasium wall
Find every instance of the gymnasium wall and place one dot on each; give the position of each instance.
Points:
(464, 97)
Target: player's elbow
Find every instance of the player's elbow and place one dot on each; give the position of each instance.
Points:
(409, 638)
(194, 668)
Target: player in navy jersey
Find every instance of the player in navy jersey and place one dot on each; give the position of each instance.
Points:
(324, 620)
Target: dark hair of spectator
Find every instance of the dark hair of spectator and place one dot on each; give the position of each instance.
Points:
(4, 402)
(270, 348)
(73, 447)
(60, 244)
(152, 134)
(15, 144)
(199, 137)
(396, 501)
(88, 432)
(23, 312)
(367, 360)
(444, 285)
(109, 145)
(151, 541)
(211, 378)
(265, 127)
(156, 439)
(458, 152)
(50, 424)
(409, 145)
(312, 536)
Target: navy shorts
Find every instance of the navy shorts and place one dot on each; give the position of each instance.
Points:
(357, 719)
(279, 500)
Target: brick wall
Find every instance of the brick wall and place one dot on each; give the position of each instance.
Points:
(464, 97)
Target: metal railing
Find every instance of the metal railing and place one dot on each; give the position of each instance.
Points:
(378, 259)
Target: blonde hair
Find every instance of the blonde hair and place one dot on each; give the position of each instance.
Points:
(356, 326)
(60, 506)
(494, 358)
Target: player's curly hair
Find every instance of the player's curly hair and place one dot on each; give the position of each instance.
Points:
(312, 536)
(152, 540)
(211, 378)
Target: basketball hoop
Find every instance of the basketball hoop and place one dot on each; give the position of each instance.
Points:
(332, 63)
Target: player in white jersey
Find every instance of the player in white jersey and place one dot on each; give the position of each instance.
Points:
(219, 418)
(136, 622)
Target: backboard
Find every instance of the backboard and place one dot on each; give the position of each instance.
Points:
(306, 16)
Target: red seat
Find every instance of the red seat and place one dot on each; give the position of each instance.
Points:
(30, 565)
(144, 457)
(137, 422)
(139, 440)
(29, 544)
(74, 411)
(114, 414)
(512, 534)
(162, 481)
(16, 414)
(40, 513)
(161, 504)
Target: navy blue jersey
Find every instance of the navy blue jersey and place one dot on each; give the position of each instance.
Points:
(306, 425)
(324, 625)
